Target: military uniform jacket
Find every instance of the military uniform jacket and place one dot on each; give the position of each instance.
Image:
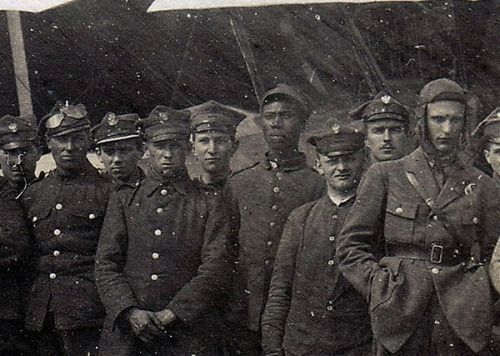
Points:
(399, 288)
(164, 245)
(311, 308)
(266, 196)
(14, 243)
(66, 215)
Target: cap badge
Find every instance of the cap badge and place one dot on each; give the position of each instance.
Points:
(498, 115)
(112, 119)
(163, 116)
(13, 127)
(336, 128)
(386, 99)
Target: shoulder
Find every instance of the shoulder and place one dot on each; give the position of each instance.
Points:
(246, 170)
(300, 213)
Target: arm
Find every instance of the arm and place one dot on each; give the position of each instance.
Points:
(217, 259)
(280, 292)
(358, 245)
(112, 284)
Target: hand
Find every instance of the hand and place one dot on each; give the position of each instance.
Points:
(166, 316)
(145, 324)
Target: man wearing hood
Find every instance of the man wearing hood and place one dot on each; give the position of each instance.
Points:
(426, 279)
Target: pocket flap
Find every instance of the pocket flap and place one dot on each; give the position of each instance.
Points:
(397, 207)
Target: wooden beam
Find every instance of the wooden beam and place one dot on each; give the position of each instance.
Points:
(20, 64)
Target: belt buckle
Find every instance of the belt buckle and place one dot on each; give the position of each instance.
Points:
(437, 251)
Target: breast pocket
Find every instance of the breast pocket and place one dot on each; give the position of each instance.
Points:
(399, 219)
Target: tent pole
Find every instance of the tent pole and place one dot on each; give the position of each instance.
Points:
(20, 64)
(246, 50)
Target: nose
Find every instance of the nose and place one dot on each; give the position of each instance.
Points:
(277, 121)
(446, 126)
(211, 147)
(387, 135)
(116, 158)
(341, 165)
(19, 159)
(167, 153)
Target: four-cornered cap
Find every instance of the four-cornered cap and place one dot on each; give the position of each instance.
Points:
(287, 92)
(164, 123)
(442, 89)
(489, 128)
(212, 116)
(116, 128)
(64, 119)
(338, 139)
(382, 106)
(17, 132)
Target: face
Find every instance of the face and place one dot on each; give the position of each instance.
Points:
(120, 157)
(214, 150)
(342, 172)
(168, 156)
(19, 164)
(492, 155)
(282, 123)
(445, 123)
(386, 139)
(70, 150)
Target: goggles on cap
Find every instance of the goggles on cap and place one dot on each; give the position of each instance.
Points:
(77, 112)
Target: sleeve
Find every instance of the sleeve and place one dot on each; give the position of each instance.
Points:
(491, 225)
(14, 234)
(112, 284)
(494, 267)
(218, 254)
(359, 242)
(280, 291)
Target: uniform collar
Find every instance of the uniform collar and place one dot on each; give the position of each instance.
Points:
(180, 182)
(290, 164)
(339, 203)
(86, 169)
(138, 177)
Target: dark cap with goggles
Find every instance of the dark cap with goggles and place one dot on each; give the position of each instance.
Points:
(64, 119)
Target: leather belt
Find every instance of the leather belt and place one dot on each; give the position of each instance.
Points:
(436, 254)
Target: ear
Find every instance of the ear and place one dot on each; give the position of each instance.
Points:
(487, 156)
(236, 145)
(317, 167)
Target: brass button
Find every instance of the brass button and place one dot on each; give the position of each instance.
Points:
(56, 253)
(159, 210)
(155, 255)
(435, 270)
(436, 322)
(276, 189)
(57, 232)
(154, 277)
(475, 220)
(279, 175)
(331, 262)
(34, 218)
(157, 232)
(91, 216)
(399, 210)
(163, 192)
(267, 262)
(58, 206)
(435, 218)
(331, 238)
(272, 224)
(329, 308)
(334, 217)
(274, 207)
(52, 276)
(269, 243)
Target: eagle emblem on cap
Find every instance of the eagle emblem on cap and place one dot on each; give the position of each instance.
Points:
(386, 99)
(112, 119)
(163, 116)
(13, 127)
(336, 128)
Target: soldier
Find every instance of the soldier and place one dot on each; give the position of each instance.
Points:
(311, 308)
(387, 123)
(120, 147)
(426, 281)
(267, 192)
(488, 131)
(19, 151)
(213, 128)
(164, 258)
(66, 210)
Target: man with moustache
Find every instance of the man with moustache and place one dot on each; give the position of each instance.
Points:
(164, 258)
(311, 308)
(488, 132)
(19, 151)
(267, 192)
(17, 141)
(66, 210)
(387, 124)
(119, 147)
(426, 280)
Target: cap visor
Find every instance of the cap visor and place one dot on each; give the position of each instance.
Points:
(19, 144)
(68, 131)
(386, 116)
(168, 137)
(117, 138)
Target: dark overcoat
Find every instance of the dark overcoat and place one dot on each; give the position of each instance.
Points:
(311, 308)
(66, 215)
(164, 246)
(398, 288)
(266, 195)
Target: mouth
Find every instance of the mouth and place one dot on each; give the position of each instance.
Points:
(342, 176)
(116, 169)
(387, 148)
(443, 140)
